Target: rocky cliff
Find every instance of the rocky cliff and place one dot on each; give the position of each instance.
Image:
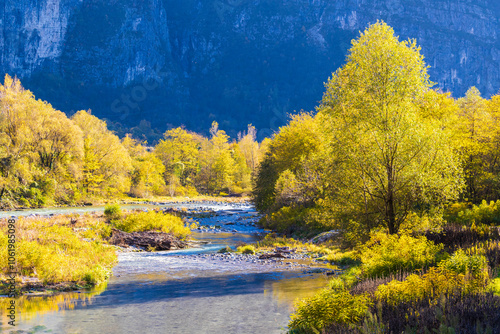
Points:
(189, 62)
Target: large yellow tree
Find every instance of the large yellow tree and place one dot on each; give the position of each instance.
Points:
(40, 147)
(107, 164)
(388, 157)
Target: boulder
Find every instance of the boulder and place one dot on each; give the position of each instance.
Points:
(271, 255)
(332, 235)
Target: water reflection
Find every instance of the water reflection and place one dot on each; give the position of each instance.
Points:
(29, 306)
(287, 291)
(155, 303)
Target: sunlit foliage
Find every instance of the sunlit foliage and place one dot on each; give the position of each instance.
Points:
(152, 221)
(48, 158)
(52, 252)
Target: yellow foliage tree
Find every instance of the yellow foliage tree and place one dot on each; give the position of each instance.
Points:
(107, 164)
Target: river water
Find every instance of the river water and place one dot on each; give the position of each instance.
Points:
(185, 291)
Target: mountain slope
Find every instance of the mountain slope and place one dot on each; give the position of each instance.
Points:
(189, 62)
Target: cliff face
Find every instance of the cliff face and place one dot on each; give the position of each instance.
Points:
(237, 61)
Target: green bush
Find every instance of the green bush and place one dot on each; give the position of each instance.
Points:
(385, 254)
(226, 249)
(295, 220)
(286, 220)
(153, 221)
(112, 212)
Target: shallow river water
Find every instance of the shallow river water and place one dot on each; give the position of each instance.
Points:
(186, 291)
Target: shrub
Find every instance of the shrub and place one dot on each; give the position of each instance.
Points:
(271, 240)
(415, 287)
(112, 212)
(328, 306)
(226, 249)
(461, 263)
(484, 213)
(437, 282)
(152, 220)
(385, 254)
(294, 220)
(287, 220)
(494, 286)
(247, 249)
(348, 258)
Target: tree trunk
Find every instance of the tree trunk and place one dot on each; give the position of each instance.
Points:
(389, 206)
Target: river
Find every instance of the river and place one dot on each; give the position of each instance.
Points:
(185, 291)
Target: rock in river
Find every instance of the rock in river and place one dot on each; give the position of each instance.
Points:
(146, 240)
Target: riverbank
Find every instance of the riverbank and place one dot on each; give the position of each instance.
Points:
(157, 200)
(71, 251)
(75, 251)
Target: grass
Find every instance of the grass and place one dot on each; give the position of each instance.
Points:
(60, 249)
(271, 241)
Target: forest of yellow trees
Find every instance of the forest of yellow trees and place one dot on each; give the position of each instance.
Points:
(47, 158)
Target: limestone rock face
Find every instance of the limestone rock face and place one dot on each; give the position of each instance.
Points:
(237, 61)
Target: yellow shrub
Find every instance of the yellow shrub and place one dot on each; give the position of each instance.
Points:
(55, 253)
(343, 258)
(247, 249)
(385, 254)
(494, 286)
(434, 284)
(158, 221)
(326, 307)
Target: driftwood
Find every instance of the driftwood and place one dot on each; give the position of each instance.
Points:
(146, 240)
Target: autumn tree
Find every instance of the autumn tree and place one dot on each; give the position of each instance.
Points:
(106, 163)
(242, 174)
(40, 147)
(288, 158)
(473, 125)
(147, 175)
(179, 152)
(216, 163)
(388, 157)
(249, 147)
